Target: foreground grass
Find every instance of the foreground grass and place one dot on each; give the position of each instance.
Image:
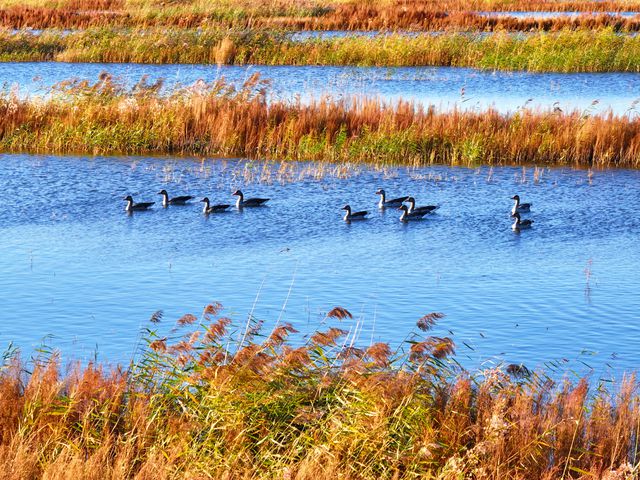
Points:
(304, 14)
(566, 51)
(218, 120)
(219, 400)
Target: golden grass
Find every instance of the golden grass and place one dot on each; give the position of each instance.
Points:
(218, 120)
(234, 402)
(315, 14)
(566, 51)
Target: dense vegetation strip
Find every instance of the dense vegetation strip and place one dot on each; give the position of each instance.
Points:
(303, 14)
(219, 120)
(218, 400)
(567, 51)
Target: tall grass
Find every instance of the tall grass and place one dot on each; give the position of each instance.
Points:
(370, 16)
(220, 400)
(566, 51)
(219, 120)
(314, 14)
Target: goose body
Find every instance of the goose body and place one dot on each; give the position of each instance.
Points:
(394, 202)
(426, 209)
(520, 207)
(409, 216)
(217, 208)
(520, 224)
(249, 202)
(166, 201)
(132, 206)
(350, 216)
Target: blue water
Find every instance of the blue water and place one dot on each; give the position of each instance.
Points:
(443, 87)
(542, 15)
(80, 275)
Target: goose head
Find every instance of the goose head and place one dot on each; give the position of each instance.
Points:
(380, 191)
(205, 200)
(516, 216)
(404, 208)
(411, 200)
(347, 208)
(163, 192)
(128, 198)
(237, 193)
(516, 198)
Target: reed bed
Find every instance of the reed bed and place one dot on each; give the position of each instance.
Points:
(374, 17)
(308, 14)
(222, 400)
(220, 120)
(566, 51)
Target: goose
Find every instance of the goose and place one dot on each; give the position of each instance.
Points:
(519, 224)
(249, 202)
(131, 206)
(520, 207)
(406, 215)
(220, 207)
(425, 209)
(166, 201)
(349, 216)
(395, 202)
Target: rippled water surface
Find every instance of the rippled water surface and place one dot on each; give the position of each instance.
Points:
(547, 15)
(75, 267)
(444, 87)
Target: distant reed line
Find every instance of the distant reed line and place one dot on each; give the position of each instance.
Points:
(216, 399)
(309, 14)
(566, 51)
(218, 120)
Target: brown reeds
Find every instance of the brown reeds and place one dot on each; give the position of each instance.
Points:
(566, 51)
(220, 407)
(331, 15)
(218, 120)
(422, 17)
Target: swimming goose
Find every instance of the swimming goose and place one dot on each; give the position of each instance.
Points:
(166, 201)
(220, 207)
(520, 207)
(425, 209)
(131, 206)
(406, 215)
(395, 202)
(519, 224)
(349, 216)
(249, 202)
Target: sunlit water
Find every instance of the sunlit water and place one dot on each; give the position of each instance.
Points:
(542, 15)
(444, 87)
(79, 274)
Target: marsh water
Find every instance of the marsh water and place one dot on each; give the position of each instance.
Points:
(80, 275)
(443, 87)
(543, 15)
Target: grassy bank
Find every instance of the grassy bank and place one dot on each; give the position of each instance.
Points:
(217, 120)
(307, 14)
(567, 51)
(218, 400)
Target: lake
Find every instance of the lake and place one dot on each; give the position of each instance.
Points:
(80, 275)
(545, 15)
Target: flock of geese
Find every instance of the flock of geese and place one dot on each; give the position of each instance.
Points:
(409, 213)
